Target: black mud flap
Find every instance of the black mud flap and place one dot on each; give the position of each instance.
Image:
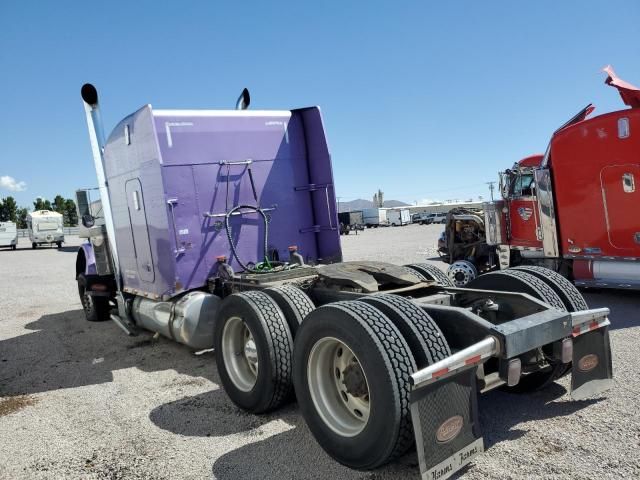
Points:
(445, 421)
(591, 371)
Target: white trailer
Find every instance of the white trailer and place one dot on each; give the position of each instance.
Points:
(375, 217)
(8, 235)
(45, 227)
(398, 217)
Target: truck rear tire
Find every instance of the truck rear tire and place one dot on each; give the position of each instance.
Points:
(425, 340)
(512, 280)
(432, 273)
(254, 350)
(346, 355)
(294, 303)
(96, 309)
(34, 245)
(524, 282)
(415, 273)
(567, 291)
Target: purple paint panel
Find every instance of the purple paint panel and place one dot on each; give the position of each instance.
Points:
(178, 172)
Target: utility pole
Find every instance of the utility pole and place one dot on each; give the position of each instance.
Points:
(491, 187)
(338, 198)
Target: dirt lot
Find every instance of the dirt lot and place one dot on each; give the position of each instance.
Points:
(82, 400)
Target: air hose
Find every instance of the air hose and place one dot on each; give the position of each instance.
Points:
(266, 237)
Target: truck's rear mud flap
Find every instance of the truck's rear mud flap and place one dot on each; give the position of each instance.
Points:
(592, 372)
(445, 421)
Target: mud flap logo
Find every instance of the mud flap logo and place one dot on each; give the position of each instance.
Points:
(449, 429)
(588, 362)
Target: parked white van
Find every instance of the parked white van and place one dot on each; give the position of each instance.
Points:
(45, 226)
(8, 235)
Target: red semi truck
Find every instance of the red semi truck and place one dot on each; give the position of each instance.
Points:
(574, 209)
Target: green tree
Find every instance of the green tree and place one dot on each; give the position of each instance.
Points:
(58, 204)
(22, 217)
(70, 213)
(8, 209)
(41, 204)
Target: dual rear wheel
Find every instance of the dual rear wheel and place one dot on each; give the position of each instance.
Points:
(350, 365)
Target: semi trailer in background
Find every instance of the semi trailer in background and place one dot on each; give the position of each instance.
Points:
(573, 209)
(350, 222)
(375, 217)
(8, 235)
(45, 228)
(221, 231)
(398, 217)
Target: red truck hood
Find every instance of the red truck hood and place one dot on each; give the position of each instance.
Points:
(629, 93)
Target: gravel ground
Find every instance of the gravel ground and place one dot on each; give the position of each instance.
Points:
(82, 400)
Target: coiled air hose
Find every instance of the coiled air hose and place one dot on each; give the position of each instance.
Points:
(266, 234)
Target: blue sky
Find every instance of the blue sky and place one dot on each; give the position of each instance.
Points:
(425, 100)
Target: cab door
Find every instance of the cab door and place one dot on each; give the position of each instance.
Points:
(523, 212)
(138, 220)
(621, 197)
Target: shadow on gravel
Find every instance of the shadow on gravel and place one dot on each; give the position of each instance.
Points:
(296, 454)
(501, 412)
(624, 306)
(209, 414)
(66, 351)
(72, 249)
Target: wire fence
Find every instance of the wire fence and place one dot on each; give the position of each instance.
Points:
(23, 232)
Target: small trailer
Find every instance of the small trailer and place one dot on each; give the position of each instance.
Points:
(398, 217)
(375, 217)
(45, 228)
(8, 235)
(221, 231)
(350, 222)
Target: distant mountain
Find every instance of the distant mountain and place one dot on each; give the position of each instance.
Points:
(361, 203)
(395, 203)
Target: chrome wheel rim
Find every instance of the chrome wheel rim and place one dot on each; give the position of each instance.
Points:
(240, 354)
(461, 273)
(338, 386)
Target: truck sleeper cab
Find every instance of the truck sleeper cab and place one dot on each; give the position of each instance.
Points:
(221, 230)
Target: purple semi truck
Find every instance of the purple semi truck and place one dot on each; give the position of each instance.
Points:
(219, 230)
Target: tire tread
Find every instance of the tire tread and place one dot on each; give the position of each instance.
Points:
(433, 344)
(432, 272)
(567, 291)
(281, 339)
(400, 363)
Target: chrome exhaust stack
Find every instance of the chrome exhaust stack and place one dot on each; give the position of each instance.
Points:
(243, 100)
(96, 136)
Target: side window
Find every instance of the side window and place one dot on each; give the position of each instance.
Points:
(522, 186)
